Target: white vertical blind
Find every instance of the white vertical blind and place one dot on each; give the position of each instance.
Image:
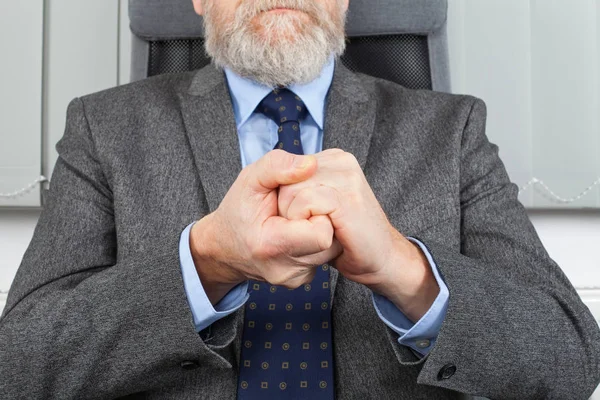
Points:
(536, 63)
(82, 58)
(124, 43)
(21, 46)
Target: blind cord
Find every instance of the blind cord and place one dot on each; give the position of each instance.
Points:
(556, 198)
(25, 190)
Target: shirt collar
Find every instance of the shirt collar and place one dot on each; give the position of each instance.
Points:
(247, 94)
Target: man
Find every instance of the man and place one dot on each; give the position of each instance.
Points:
(159, 270)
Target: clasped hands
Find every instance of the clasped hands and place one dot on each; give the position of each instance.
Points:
(287, 214)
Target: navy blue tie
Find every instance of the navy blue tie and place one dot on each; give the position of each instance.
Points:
(286, 344)
(286, 110)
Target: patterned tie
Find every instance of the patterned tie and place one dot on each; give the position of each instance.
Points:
(286, 344)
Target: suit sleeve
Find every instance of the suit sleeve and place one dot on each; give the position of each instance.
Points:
(419, 336)
(515, 327)
(83, 321)
(202, 310)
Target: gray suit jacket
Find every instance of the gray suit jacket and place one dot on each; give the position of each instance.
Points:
(98, 309)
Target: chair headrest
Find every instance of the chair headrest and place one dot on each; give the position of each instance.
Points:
(175, 19)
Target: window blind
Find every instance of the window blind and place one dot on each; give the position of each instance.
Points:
(536, 63)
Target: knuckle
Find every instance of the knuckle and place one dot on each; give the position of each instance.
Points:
(349, 159)
(334, 151)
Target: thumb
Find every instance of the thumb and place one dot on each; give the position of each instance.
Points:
(278, 168)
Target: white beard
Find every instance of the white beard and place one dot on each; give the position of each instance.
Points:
(275, 49)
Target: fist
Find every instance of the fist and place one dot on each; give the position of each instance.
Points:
(339, 190)
(246, 238)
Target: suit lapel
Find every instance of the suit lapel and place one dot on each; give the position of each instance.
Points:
(210, 127)
(350, 115)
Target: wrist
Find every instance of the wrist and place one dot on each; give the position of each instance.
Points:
(408, 280)
(216, 276)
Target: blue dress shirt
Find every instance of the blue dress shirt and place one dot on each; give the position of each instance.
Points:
(257, 136)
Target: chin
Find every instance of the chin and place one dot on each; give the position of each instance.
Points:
(290, 31)
(295, 18)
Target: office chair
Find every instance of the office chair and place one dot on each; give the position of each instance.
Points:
(403, 41)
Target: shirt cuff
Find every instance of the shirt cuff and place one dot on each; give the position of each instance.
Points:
(202, 309)
(419, 336)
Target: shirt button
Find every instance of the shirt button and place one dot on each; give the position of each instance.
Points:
(446, 372)
(189, 365)
(423, 343)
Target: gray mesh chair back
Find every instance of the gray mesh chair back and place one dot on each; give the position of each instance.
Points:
(403, 41)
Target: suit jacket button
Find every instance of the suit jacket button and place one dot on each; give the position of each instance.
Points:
(189, 365)
(446, 372)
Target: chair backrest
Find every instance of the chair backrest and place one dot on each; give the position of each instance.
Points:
(403, 41)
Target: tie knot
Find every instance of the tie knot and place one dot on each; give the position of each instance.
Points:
(282, 105)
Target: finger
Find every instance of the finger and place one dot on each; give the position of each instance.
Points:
(277, 168)
(298, 238)
(318, 200)
(304, 268)
(324, 256)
